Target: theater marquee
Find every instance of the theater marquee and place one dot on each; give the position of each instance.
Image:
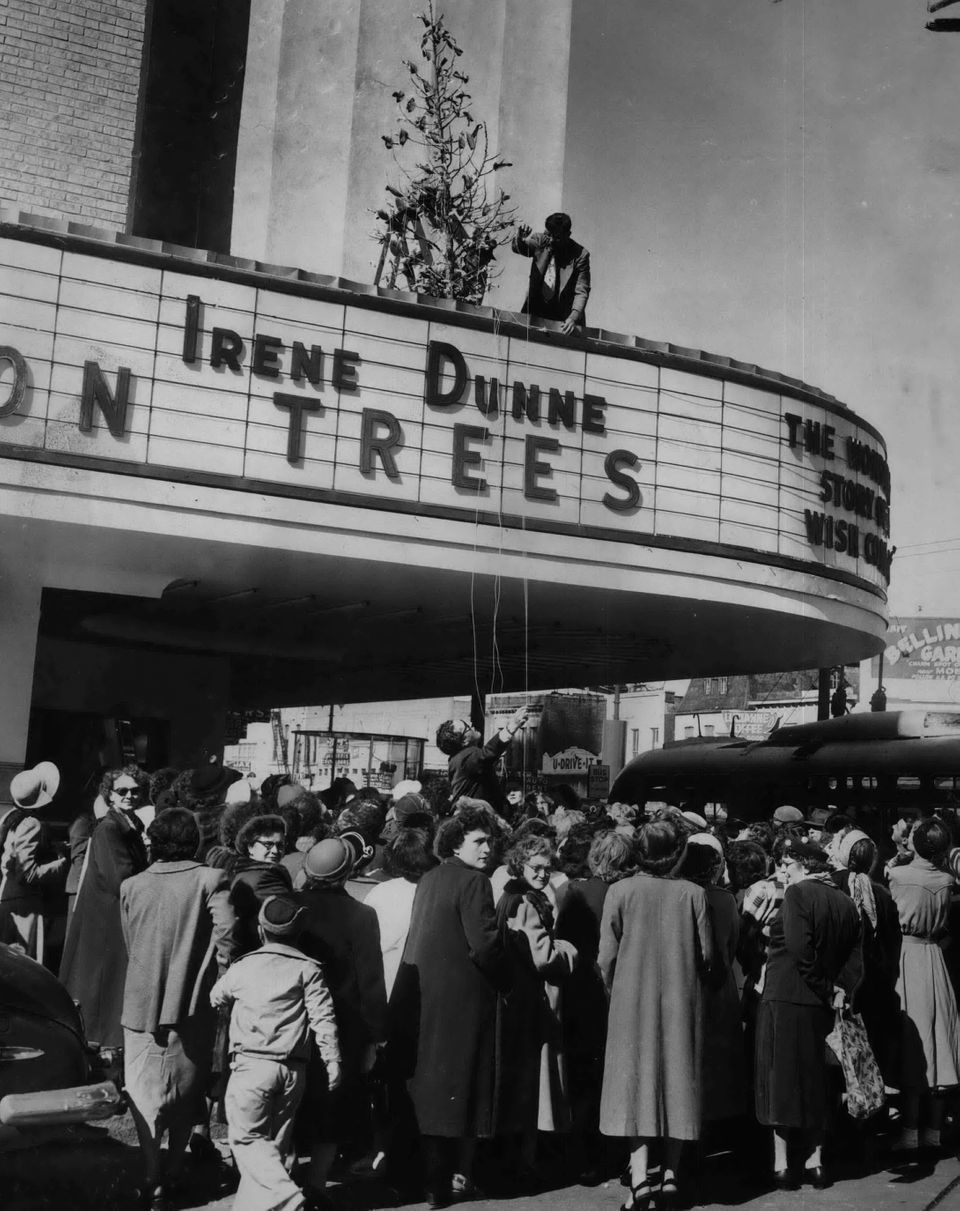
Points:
(277, 385)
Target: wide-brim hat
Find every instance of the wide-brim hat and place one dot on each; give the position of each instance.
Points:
(33, 789)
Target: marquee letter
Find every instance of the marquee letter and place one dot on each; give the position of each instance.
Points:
(226, 349)
(298, 405)
(345, 370)
(593, 409)
(439, 352)
(533, 468)
(15, 398)
(613, 466)
(464, 458)
(306, 366)
(383, 447)
(191, 328)
(266, 355)
(96, 391)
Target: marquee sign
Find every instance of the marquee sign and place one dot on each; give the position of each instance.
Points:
(323, 391)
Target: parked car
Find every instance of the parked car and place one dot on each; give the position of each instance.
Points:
(49, 1073)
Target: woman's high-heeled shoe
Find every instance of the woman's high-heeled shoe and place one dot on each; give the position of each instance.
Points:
(783, 1179)
(641, 1198)
(668, 1188)
(817, 1177)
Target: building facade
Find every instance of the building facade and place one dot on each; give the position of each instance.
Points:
(230, 483)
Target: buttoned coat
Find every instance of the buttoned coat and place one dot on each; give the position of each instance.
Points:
(94, 964)
(573, 278)
(443, 1012)
(178, 929)
(655, 948)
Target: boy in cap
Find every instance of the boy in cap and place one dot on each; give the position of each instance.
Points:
(278, 996)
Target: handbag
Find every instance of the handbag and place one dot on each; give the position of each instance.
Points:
(849, 1043)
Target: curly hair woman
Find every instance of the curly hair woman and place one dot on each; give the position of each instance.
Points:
(532, 1084)
(444, 1005)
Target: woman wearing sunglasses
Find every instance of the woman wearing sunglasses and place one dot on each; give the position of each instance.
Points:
(94, 964)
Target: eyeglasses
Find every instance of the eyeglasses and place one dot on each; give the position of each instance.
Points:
(126, 792)
(271, 844)
(538, 870)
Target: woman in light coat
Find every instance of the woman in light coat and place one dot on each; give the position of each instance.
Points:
(655, 949)
(178, 927)
(930, 1055)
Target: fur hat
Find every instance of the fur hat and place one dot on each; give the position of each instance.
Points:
(258, 824)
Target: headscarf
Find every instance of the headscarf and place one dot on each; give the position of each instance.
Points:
(860, 885)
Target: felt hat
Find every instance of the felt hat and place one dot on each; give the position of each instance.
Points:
(34, 788)
(410, 804)
(287, 793)
(329, 860)
(280, 917)
(786, 814)
(212, 777)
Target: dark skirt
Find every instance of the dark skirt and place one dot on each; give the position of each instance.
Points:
(792, 1080)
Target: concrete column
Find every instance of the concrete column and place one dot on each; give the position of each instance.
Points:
(20, 590)
(311, 167)
(295, 133)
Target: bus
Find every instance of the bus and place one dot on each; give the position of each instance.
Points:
(895, 763)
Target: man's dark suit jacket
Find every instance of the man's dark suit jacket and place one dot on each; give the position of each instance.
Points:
(573, 279)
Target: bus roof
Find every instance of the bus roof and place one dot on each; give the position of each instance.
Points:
(886, 744)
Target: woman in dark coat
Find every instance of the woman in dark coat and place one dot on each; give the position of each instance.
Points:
(655, 949)
(257, 873)
(444, 1004)
(579, 912)
(343, 935)
(876, 998)
(94, 964)
(724, 1069)
(532, 1086)
(814, 952)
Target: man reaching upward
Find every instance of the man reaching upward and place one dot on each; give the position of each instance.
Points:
(560, 273)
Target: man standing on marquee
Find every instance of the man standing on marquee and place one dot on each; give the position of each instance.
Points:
(559, 275)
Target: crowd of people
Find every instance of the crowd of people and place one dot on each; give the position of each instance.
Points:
(472, 988)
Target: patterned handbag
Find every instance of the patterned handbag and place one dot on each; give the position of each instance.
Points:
(848, 1041)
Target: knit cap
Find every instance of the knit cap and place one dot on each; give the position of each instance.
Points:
(280, 917)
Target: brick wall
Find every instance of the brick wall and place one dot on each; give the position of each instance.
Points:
(69, 81)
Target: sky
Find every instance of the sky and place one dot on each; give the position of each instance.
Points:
(777, 181)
